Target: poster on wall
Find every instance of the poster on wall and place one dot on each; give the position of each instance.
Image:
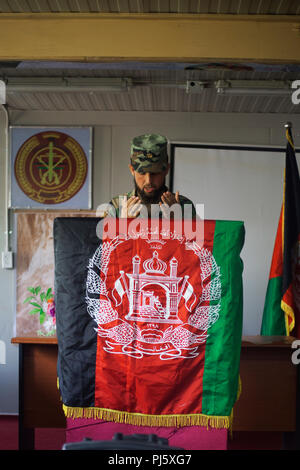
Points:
(35, 306)
(51, 167)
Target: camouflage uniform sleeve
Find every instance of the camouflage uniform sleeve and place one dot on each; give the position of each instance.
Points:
(114, 210)
(185, 201)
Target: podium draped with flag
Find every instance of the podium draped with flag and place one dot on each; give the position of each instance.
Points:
(281, 315)
(149, 325)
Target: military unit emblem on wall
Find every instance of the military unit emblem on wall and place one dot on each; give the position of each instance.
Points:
(50, 167)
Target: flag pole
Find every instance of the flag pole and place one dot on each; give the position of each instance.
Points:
(288, 125)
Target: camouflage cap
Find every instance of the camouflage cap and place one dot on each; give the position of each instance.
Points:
(149, 153)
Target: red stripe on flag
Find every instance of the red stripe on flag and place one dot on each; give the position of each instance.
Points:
(277, 261)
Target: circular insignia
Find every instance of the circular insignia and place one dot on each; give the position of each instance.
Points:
(50, 167)
(161, 303)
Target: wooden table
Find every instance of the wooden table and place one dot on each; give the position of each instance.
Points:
(39, 399)
(267, 403)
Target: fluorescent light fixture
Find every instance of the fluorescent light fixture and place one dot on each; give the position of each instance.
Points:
(253, 87)
(190, 86)
(116, 85)
(45, 84)
(100, 84)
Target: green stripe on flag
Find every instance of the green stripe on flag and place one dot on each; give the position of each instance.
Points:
(273, 322)
(222, 351)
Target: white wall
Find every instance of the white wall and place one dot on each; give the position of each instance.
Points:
(112, 134)
(239, 183)
(9, 370)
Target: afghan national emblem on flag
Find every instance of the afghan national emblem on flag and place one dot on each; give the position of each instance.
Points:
(149, 332)
(150, 307)
(281, 314)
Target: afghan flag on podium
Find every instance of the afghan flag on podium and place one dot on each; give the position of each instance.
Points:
(281, 314)
(149, 320)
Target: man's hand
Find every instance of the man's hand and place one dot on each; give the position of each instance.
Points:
(130, 207)
(168, 199)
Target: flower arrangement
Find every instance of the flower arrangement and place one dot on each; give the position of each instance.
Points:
(44, 306)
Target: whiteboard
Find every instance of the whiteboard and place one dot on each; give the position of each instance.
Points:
(237, 183)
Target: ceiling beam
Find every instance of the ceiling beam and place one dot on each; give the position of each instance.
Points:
(150, 37)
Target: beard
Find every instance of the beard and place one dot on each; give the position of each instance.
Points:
(153, 198)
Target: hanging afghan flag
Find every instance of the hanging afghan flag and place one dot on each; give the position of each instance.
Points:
(281, 314)
(149, 321)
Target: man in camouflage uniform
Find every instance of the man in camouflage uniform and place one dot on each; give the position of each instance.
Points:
(149, 167)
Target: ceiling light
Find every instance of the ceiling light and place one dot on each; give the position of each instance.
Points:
(100, 84)
(45, 84)
(253, 87)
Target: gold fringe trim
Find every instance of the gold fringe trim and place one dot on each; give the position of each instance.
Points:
(138, 419)
(289, 314)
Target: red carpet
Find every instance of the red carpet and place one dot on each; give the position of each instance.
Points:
(53, 439)
(188, 437)
(8, 432)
